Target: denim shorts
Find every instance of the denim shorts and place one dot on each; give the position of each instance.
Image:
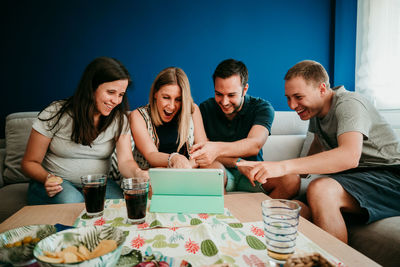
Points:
(376, 189)
(236, 181)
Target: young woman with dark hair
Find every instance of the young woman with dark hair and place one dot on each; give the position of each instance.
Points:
(76, 137)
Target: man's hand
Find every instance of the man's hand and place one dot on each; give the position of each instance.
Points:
(262, 170)
(245, 170)
(204, 153)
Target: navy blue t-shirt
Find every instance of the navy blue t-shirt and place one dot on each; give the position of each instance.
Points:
(255, 111)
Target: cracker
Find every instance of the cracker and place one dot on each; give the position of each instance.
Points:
(55, 179)
(104, 247)
(50, 259)
(70, 257)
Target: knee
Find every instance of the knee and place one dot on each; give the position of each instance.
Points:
(292, 183)
(68, 195)
(321, 189)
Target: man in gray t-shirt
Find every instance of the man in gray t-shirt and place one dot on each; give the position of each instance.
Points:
(353, 145)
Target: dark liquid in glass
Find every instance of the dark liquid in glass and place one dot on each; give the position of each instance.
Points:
(136, 205)
(94, 194)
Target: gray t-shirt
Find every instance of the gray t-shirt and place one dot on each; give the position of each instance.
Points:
(350, 112)
(70, 160)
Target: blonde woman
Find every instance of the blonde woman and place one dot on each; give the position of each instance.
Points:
(165, 130)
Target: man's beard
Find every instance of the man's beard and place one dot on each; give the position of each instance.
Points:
(237, 108)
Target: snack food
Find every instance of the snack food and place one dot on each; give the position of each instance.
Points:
(73, 254)
(55, 179)
(26, 241)
(308, 259)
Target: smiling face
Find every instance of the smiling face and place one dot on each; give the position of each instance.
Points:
(307, 99)
(229, 94)
(108, 95)
(168, 101)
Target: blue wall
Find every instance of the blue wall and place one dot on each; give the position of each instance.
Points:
(47, 44)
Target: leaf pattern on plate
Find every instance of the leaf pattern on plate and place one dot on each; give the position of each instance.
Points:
(23, 253)
(88, 236)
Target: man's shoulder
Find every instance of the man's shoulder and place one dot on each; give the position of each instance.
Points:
(258, 103)
(345, 95)
(207, 104)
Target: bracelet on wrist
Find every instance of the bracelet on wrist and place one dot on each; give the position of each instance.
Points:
(239, 159)
(170, 158)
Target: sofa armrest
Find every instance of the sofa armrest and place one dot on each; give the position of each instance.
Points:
(2, 158)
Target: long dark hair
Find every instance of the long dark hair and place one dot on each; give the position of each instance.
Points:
(81, 106)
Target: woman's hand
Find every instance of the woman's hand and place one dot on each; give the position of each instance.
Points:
(139, 173)
(52, 186)
(193, 163)
(180, 162)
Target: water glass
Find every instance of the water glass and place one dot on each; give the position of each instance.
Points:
(281, 218)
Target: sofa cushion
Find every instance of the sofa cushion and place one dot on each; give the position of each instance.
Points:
(13, 198)
(379, 240)
(288, 123)
(18, 129)
(281, 147)
(2, 156)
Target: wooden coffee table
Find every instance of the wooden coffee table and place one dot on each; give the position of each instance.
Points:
(245, 207)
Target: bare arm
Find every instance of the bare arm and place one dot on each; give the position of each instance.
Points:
(146, 146)
(228, 152)
(199, 132)
(126, 164)
(32, 162)
(345, 156)
(35, 151)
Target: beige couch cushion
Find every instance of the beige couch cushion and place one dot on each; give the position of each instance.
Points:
(18, 128)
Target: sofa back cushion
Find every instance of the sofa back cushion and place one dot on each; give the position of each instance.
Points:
(288, 133)
(18, 129)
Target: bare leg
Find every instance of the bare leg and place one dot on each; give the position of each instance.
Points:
(327, 199)
(219, 165)
(305, 211)
(283, 187)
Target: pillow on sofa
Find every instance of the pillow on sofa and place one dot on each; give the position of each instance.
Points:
(18, 129)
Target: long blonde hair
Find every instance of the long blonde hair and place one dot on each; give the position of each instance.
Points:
(173, 76)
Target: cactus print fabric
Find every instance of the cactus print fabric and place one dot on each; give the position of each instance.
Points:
(200, 239)
(115, 215)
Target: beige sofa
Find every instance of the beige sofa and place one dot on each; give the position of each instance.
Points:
(380, 240)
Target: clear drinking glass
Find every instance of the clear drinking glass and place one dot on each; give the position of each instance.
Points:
(94, 191)
(281, 218)
(135, 193)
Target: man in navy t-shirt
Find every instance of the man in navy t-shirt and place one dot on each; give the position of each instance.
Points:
(237, 126)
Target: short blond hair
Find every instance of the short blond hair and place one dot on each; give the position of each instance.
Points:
(173, 76)
(310, 71)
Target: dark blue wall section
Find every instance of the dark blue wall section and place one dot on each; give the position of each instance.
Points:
(345, 43)
(47, 44)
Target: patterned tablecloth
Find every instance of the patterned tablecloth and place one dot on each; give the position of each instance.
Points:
(200, 239)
